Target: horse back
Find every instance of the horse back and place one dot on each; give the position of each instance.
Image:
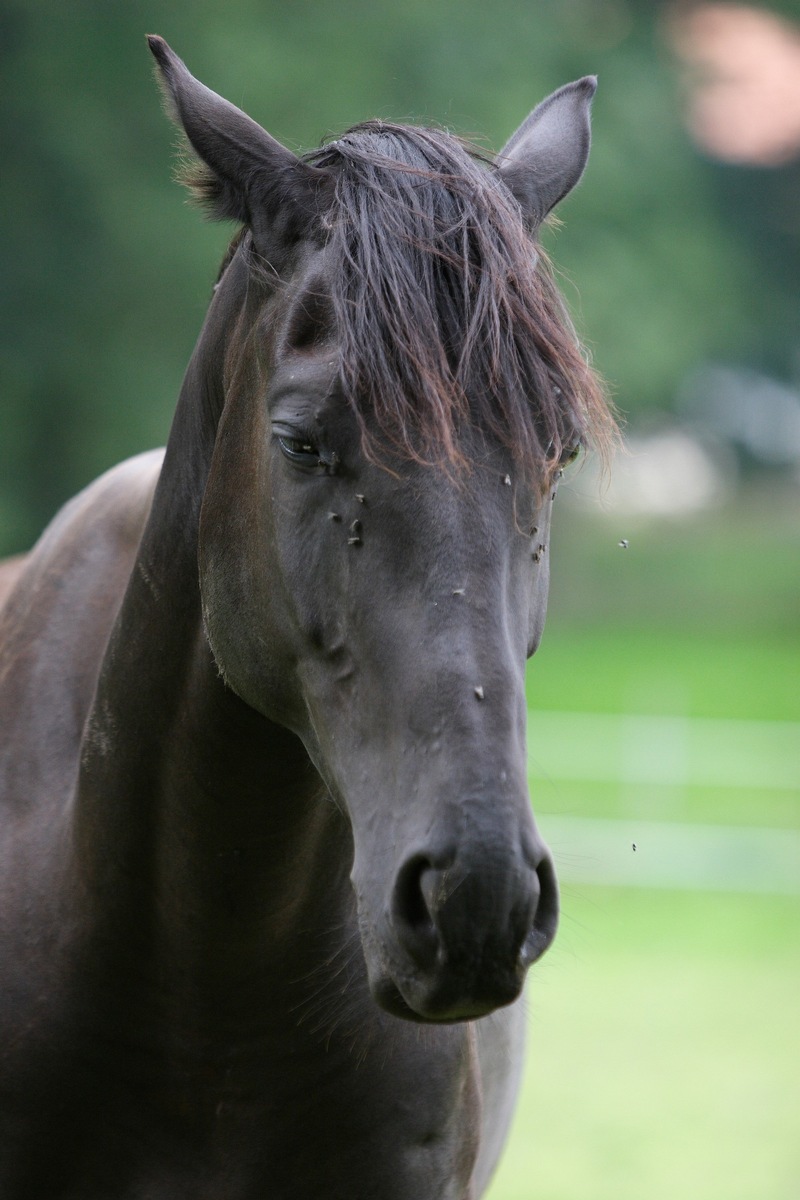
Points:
(57, 608)
(10, 571)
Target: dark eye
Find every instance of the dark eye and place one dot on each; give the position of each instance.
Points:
(570, 453)
(300, 451)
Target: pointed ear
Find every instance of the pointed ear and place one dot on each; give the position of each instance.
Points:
(545, 158)
(247, 175)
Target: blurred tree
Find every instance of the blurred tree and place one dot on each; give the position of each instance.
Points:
(105, 278)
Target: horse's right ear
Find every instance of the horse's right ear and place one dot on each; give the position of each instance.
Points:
(247, 175)
(545, 158)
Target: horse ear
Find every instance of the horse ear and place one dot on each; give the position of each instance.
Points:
(247, 175)
(542, 162)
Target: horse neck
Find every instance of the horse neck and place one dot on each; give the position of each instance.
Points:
(199, 833)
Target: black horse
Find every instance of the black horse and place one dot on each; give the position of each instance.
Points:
(270, 879)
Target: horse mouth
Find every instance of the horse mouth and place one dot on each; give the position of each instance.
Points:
(447, 993)
(387, 995)
(444, 1001)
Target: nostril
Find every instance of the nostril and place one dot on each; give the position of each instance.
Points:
(547, 908)
(410, 912)
(409, 904)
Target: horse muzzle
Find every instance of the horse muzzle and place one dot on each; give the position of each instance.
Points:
(460, 931)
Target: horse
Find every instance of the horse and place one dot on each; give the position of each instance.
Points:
(271, 882)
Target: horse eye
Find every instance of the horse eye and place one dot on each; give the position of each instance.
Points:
(300, 451)
(570, 454)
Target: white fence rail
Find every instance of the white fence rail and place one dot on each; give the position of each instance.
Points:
(663, 854)
(665, 750)
(673, 752)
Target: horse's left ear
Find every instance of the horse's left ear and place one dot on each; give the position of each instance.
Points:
(248, 175)
(545, 158)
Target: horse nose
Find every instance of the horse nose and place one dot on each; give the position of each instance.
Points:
(473, 923)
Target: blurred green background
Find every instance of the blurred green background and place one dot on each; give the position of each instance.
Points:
(665, 706)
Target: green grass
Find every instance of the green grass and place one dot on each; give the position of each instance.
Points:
(663, 1055)
(666, 671)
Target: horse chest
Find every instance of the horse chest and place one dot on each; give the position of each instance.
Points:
(294, 1124)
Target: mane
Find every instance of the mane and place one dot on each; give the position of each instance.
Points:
(448, 316)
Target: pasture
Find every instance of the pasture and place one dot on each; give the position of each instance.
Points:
(665, 710)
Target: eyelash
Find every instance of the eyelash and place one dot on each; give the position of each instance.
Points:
(295, 448)
(302, 452)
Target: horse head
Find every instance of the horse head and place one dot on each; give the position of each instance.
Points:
(401, 391)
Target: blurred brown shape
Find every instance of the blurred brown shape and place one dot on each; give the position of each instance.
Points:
(743, 75)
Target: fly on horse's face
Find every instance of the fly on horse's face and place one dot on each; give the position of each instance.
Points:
(373, 568)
